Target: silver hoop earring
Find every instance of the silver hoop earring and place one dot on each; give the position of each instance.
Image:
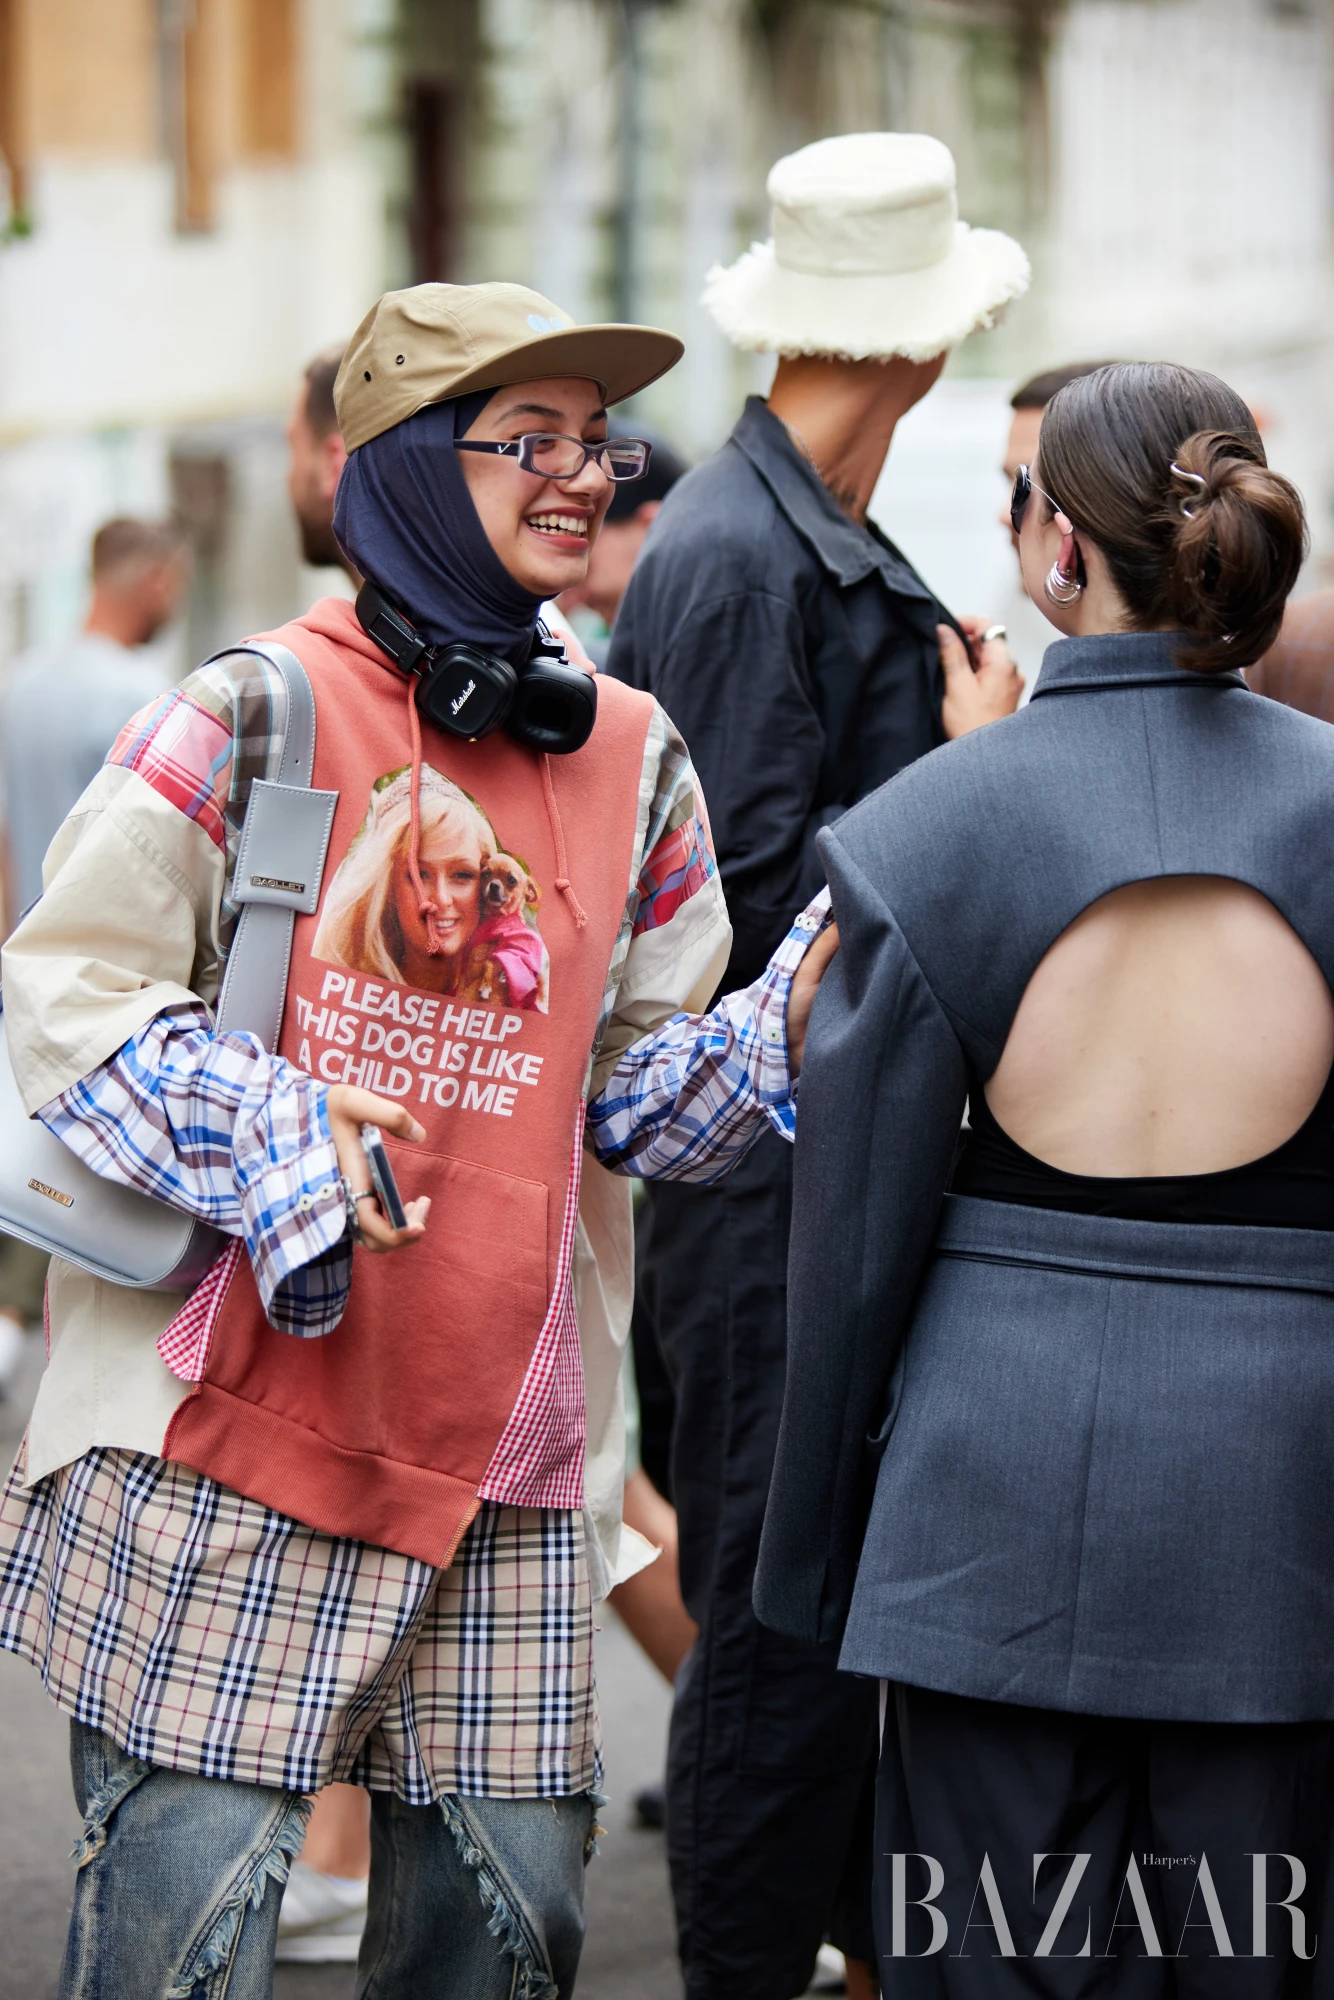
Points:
(1059, 587)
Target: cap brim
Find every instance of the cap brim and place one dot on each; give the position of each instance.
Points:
(621, 359)
(761, 305)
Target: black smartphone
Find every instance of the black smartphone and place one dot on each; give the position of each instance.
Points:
(382, 1177)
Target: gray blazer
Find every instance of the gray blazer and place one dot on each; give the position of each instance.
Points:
(1095, 1455)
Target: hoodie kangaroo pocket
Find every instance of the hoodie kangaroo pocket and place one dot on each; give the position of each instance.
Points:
(450, 1363)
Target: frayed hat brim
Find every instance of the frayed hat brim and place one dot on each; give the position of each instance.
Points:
(762, 306)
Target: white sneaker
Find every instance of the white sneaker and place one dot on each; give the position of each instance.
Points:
(831, 1972)
(321, 1919)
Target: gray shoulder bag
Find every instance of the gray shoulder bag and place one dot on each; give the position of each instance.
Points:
(48, 1197)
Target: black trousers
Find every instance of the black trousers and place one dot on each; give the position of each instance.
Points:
(771, 1757)
(1171, 1851)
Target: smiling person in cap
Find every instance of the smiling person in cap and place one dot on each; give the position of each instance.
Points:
(341, 1515)
(805, 662)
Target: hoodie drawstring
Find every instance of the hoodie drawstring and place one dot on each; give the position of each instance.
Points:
(563, 882)
(426, 909)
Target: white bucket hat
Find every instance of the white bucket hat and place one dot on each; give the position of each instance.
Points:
(868, 256)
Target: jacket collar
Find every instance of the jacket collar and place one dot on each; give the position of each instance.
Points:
(1118, 660)
(334, 618)
(847, 551)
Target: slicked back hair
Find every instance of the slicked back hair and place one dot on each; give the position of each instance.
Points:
(1037, 392)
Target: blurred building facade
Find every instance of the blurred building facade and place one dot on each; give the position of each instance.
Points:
(203, 192)
(191, 209)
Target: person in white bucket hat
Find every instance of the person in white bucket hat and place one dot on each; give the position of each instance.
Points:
(868, 257)
(805, 662)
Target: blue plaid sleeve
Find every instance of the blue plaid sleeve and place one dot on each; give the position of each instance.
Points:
(686, 1103)
(217, 1127)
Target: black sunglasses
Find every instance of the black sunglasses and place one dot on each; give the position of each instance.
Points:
(1024, 489)
(556, 457)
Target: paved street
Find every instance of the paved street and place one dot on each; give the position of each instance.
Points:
(629, 1955)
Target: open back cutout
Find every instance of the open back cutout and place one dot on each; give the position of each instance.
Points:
(1179, 1026)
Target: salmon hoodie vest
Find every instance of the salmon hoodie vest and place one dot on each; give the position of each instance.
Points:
(480, 1016)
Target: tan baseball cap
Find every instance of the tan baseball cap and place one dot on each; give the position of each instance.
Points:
(432, 342)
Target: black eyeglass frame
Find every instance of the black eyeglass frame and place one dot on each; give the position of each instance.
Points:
(522, 449)
(1022, 492)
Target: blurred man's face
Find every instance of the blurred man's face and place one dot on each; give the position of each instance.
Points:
(612, 558)
(1021, 449)
(314, 466)
(152, 597)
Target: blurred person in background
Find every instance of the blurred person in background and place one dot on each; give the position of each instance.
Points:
(649, 1603)
(60, 715)
(616, 550)
(1028, 631)
(316, 458)
(1028, 402)
(1298, 669)
(65, 704)
(805, 662)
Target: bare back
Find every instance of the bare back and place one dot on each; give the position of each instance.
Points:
(1179, 1026)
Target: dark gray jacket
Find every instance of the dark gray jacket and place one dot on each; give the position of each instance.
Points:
(795, 651)
(1105, 1448)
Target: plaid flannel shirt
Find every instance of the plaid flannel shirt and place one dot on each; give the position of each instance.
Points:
(208, 1633)
(216, 1126)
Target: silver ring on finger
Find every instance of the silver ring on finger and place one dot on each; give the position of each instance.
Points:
(350, 1199)
(993, 632)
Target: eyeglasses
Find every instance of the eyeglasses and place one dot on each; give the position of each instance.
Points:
(1024, 489)
(555, 457)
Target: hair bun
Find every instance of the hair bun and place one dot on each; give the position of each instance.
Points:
(1203, 490)
(1163, 469)
(1236, 545)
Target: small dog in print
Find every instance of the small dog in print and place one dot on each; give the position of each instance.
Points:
(508, 964)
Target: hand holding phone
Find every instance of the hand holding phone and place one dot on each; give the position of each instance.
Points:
(358, 1122)
(382, 1177)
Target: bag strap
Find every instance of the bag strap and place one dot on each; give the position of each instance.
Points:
(279, 863)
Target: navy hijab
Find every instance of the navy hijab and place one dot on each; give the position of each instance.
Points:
(404, 516)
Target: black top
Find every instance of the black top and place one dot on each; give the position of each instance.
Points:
(1290, 1188)
(796, 652)
(950, 885)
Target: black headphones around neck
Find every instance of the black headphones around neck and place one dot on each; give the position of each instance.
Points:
(546, 703)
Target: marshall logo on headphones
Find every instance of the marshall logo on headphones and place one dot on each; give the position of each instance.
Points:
(52, 1194)
(543, 701)
(277, 882)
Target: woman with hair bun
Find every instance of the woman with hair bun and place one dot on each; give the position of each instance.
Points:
(1058, 1438)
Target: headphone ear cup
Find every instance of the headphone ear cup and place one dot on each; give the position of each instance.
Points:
(467, 692)
(555, 707)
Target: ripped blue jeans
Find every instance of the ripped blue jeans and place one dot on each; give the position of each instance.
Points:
(179, 1880)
